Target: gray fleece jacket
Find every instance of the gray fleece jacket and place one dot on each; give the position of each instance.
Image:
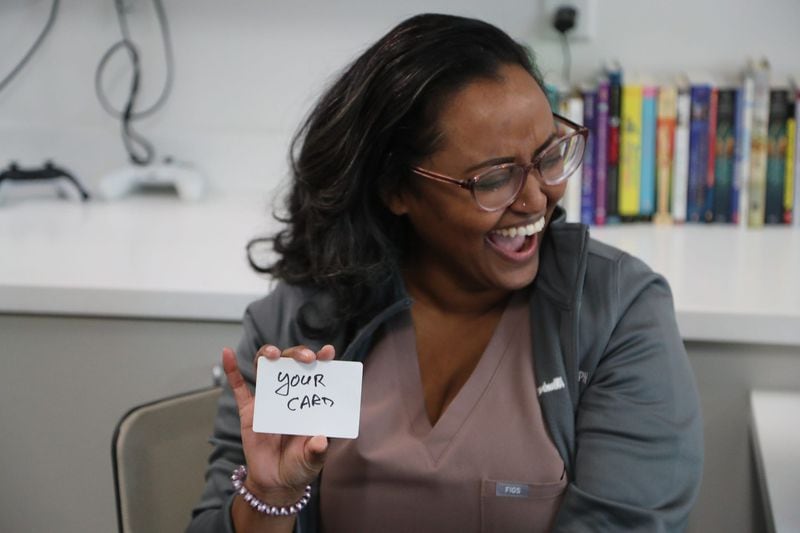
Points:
(616, 388)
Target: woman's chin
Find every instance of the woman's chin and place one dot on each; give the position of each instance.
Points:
(517, 278)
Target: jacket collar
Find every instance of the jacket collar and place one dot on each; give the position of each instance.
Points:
(562, 260)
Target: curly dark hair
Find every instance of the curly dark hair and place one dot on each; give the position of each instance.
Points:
(375, 122)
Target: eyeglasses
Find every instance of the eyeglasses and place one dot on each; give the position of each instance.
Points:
(499, 186)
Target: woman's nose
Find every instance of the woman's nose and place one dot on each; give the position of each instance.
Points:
(531, 197)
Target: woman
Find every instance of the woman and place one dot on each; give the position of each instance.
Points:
(518, 376)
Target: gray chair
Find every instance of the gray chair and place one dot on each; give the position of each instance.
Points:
(159, 453)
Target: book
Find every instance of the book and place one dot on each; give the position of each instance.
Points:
(601, 150)
(647, 187)
(571, 201)
(630, 150)
(788, 190)
(724, 155)
(699, 151)
(680, 160)
(665, 148)
(588, 185)
(776, 156)
(744, 125)
(553, 96)
(756, 187)
(612, 164)
(796, 201)
(708, 189)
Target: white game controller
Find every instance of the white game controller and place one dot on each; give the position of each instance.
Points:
(186, 180)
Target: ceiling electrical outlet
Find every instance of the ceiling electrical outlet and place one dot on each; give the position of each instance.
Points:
(585, 20)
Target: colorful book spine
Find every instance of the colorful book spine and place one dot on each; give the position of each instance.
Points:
(647, 190)
(725, 155)
(601, 151)
(590, 154)
(698, 152)
(612, 172)
(680, 160)
(573, 110)
(788, 191)
(776, 156)
(744, 126)
(630, 156)
(708, 189)
(665, 148)
(756, 190)
(553, 96)
(796, 208)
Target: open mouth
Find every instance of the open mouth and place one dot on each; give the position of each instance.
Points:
(517, 243)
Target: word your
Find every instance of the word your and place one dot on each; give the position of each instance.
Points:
(287, 381)
(293, 380)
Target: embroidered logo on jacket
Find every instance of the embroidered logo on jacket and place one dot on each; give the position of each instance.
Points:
(550, 386)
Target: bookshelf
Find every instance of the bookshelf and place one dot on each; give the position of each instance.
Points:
(693, 148)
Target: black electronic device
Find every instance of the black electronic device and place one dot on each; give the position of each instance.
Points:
(13, 173)
(564, 19)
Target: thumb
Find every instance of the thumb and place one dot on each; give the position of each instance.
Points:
(315, 451)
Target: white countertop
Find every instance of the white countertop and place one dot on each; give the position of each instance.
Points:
(138, 257)
(730, 284)
(776, 441)
(158, 257)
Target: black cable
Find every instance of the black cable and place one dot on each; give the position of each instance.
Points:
(567, 65)
(127, 42)
(48, 25)
(563, 21)
(128, 115)
(130, 137)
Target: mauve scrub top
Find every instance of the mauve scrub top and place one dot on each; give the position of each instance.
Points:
(488, 464)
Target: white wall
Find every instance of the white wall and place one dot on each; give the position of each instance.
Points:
(248, 70)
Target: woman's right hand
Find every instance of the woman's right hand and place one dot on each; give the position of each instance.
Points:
(278, 466)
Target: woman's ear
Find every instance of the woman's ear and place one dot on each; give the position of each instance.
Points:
(395, 201)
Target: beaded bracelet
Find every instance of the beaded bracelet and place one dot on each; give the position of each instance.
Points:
(237, 478)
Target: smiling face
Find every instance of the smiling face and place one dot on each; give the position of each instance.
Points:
(488, 122)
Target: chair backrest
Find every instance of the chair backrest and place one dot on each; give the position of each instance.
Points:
(159, 453)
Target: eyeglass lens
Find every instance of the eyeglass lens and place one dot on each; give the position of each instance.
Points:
(560, 160)
(497, 187)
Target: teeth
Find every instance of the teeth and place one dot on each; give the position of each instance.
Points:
(527, 230)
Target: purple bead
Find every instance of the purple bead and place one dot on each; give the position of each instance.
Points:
(237, 479)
